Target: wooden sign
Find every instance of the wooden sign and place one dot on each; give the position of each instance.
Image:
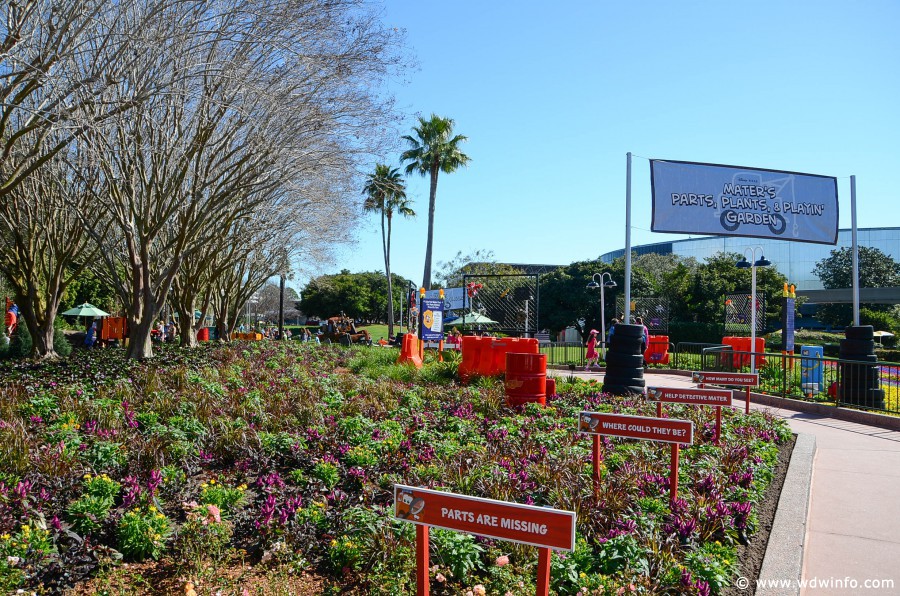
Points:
(525, 524)
(692, 396)
(666, 430)
(726, 378)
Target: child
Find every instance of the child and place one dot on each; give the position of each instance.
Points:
(592, 356)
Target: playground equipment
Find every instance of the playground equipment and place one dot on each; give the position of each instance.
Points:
(342, 330)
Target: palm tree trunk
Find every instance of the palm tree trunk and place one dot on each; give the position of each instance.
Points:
(426, 277)
(387, 268)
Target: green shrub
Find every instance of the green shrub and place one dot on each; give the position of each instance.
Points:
(20, 344)
(459, 552)
(143, 534)
(225, 498)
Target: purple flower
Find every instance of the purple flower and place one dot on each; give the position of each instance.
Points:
(740, 512)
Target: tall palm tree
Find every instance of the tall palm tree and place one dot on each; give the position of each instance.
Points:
(385, 193)
(433, 149)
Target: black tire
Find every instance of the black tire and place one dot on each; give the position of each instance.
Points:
(856, 356)
(860, 346)
(626, 372)
(622, 389)
(622, 330)
(617, 359)
(628, 345)
(614, 380)
(861, 332)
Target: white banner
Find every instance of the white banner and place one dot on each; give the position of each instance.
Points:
(454, 298)
(700, 198)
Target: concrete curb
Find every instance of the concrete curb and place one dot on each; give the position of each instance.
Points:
(784, 552)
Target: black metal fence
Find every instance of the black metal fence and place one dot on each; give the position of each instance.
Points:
(869, 385)
(843, 383)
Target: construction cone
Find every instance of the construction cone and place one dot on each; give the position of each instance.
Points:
(409, 353)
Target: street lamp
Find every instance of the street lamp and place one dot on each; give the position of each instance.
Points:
(762, 261)
(593, 285)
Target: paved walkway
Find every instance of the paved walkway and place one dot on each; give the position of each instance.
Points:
(853, 530)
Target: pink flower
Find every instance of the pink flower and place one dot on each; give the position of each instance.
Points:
(502, 561)
(439, 578)
(479, 590)
(213, 514)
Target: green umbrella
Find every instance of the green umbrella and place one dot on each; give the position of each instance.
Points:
(85, 310)
(470, 319)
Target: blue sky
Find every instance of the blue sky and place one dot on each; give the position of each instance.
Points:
(553, 95)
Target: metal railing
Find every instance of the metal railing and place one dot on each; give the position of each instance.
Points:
(843, 383)
(564, 352)
(697, 356)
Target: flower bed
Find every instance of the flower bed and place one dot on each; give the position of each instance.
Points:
(285, 456)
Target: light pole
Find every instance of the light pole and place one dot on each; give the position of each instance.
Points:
(593, 285)
(762, 261)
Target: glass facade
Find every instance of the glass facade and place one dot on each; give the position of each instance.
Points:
(795, 260)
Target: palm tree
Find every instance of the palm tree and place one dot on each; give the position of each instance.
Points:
(433, 149)
(385, 193)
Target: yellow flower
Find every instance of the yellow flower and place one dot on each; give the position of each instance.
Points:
(213, 481)
(26, 529)
(333, 543)
(242, 487)
(5, 537)
(87, 476)
(582, 574)
(77, 426)
(159, 516)
(204, 485)
(152, 507)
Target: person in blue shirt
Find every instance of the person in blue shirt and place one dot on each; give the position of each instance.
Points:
(90, 337)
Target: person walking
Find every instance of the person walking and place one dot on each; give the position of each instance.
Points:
(591, 357)
(645, 336)
(612, 328)
(90, 338)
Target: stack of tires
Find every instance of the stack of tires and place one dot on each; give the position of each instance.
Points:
(625, 361)
(860, 379)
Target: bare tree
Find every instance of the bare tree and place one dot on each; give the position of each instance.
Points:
(43, 244)
(59, 60)
(266, 95)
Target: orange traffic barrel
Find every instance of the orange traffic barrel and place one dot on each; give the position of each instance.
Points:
(657, 350)
(551, 386)
(526, 379)
(203, 334)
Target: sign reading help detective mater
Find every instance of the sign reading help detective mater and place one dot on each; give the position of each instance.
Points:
(692, 396)
(525, 524)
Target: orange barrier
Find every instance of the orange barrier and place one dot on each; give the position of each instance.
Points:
(526, 379)
(486, 356)
(657, 350)
(409, 353)
(551, 386)
(203, 334)
(742, 344)
(113, 328)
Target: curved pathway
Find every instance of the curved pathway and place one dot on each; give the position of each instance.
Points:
(853, 530)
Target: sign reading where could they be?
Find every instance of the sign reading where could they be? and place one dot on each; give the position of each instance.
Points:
(665, 430)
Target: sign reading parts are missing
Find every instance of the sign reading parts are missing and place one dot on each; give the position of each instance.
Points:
(700, 198)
